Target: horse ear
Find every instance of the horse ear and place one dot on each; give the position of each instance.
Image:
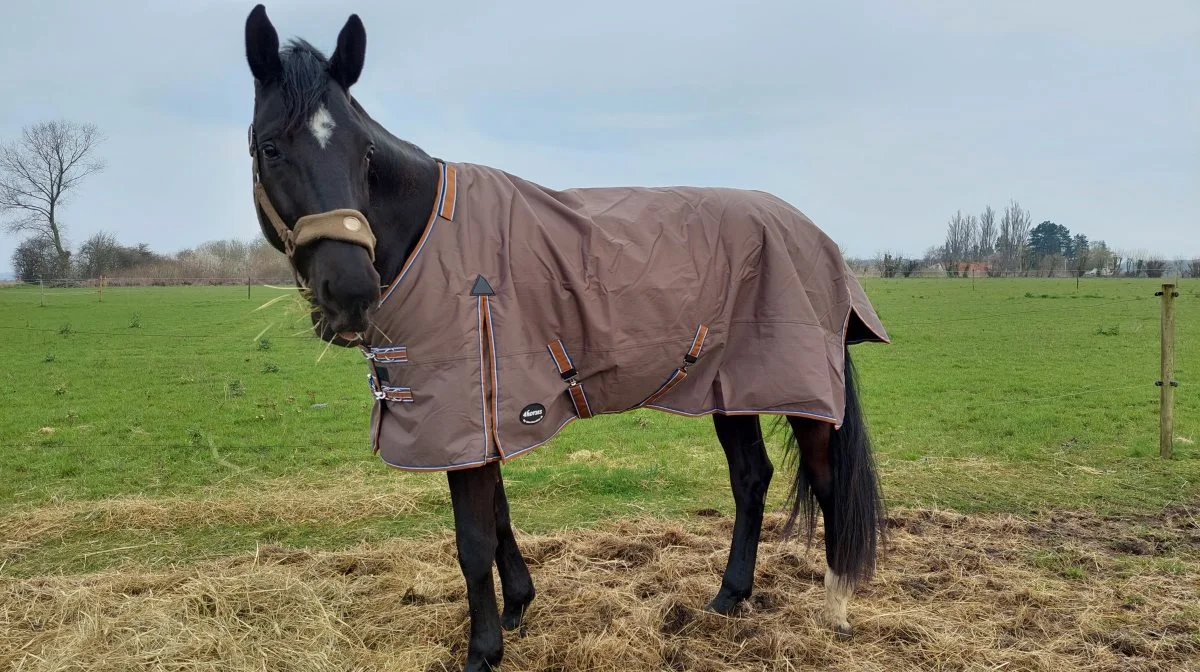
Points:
(346, 64)
(262, 46)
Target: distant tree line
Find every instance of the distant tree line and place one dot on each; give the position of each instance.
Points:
(1007, 243)
(40, 170)
(102, 255)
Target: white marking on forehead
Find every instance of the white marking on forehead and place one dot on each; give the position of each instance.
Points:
(321, 125)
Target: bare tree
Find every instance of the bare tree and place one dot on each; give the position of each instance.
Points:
(38, 172)
(960, 237)
(972, 248)
(987, 233)
(1013, 240)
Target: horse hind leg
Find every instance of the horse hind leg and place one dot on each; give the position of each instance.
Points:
(515, 582)
(837, 470)
(814, 480)
(750, 473)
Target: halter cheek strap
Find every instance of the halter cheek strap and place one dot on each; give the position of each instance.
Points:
(344, 224)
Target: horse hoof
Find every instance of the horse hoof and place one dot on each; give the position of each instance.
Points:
(481, 665)
(514, 621)
(513, 617)
(844, 632)
(722, 605)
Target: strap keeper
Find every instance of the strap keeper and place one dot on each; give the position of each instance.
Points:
(569, 376)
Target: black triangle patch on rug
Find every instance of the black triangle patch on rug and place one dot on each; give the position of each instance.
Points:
(482, 287)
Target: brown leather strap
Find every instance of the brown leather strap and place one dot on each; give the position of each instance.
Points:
(281, 229)
(487, 343)
(448, 190)
(677, 377)
(679, 374)
(697, 345)
(567, 370)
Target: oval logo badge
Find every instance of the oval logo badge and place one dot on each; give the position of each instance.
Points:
(532, 414)
(352, 224)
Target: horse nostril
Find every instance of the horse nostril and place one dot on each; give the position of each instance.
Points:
(359, 301)
(325, 291)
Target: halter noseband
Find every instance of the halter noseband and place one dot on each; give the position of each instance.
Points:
(343, 224)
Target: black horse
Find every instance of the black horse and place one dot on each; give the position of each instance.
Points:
(316, 150)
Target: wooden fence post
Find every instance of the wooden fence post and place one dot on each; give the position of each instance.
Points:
(1166, 431)
(42, 285)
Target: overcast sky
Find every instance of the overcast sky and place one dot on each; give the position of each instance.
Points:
(878, 119)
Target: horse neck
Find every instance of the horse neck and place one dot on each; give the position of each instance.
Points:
(403, 188)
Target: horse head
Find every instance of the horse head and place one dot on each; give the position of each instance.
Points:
(312, 148)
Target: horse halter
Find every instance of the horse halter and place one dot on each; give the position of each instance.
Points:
(343, 224)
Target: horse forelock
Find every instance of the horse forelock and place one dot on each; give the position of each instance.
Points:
(303, 82)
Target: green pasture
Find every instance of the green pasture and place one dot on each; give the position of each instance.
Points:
(1020, 395)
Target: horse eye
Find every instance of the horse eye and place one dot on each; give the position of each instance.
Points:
(270, 151)
(370, 151)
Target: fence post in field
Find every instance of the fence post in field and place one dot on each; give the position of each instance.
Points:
(102, 289)
(42, 294)
(247, 287)
(1167, 382)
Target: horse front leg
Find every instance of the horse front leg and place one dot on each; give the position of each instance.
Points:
(515, 582)
(473, 496)
(750, 472)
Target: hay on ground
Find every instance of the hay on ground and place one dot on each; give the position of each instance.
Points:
(1071, 592)
(345, 499)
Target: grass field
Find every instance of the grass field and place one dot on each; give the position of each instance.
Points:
(1020, 396)
(186, 483)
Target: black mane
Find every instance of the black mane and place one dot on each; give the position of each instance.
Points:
(303, 82)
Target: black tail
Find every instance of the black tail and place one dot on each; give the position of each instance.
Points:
(855, 515)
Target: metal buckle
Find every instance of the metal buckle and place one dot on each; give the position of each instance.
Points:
(373, 354)
(375, 389)
(570, 377)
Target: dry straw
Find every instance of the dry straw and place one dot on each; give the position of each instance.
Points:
(349, 498)
(1072, 592)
